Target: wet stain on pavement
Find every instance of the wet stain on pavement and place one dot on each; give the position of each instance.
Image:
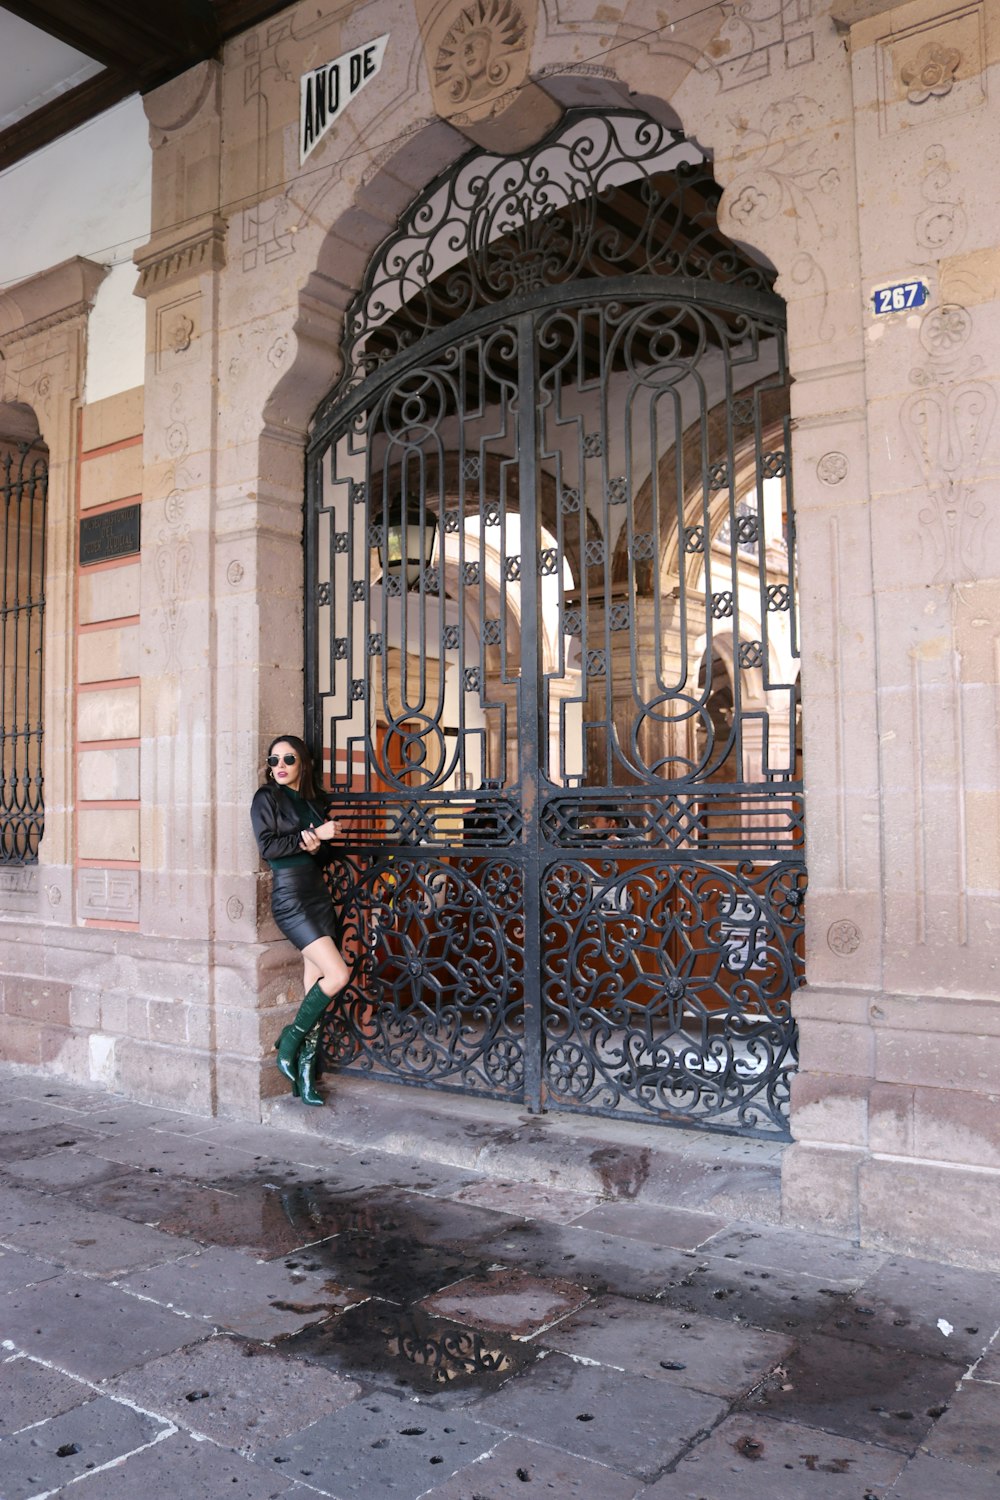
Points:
(31, 1143)
(509, 1301)
(416, 1351)
(780, 1300)
(750, 1447)
(622, 1172)
(392, 1266)
(888, 1396)
(254, 1213)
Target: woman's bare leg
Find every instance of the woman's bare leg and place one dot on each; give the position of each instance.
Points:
(324, 974)
(323, 958)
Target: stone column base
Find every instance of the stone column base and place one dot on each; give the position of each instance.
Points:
(184, 1024)
(932, 1210)
(896, 1121)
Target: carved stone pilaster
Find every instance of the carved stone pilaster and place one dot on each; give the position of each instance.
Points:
(42, 357)
(42, 302)
(168, 258)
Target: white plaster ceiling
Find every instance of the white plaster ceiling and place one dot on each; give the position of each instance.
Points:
(35, 68)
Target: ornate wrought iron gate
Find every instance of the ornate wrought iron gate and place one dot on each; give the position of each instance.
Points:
(551, 642)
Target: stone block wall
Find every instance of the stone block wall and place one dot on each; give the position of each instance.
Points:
(894, 1109)
(108, 675)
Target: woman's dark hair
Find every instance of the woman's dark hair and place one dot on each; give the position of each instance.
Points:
(307, 781)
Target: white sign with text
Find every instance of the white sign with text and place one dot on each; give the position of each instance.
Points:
(326, 91)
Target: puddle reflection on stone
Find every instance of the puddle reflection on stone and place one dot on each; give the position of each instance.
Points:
(422, 1353)
(256, 1213)
(395, 1267)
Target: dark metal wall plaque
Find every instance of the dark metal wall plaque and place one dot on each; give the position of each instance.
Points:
(113, 534)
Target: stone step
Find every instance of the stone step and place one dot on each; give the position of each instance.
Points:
(725, 1175)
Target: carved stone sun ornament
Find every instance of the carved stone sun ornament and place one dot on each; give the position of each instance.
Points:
(477, 54)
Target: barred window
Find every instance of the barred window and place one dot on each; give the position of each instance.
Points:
(23, 492)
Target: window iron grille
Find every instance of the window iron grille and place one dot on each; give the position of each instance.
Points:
(23, 491)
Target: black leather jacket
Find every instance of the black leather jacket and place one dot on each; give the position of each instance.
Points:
(276, 821)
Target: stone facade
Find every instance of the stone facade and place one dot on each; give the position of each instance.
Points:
(850, 144)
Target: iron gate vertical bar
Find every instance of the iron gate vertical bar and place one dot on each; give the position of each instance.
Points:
(530, 704)
(314, 704)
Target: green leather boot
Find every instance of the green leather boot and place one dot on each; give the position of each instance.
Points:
(291, 1039)
(305, 1070)
(295, 1081)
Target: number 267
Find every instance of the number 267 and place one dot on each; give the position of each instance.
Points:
(899, 298)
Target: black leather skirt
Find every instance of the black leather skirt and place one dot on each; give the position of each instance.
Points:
(301, 905)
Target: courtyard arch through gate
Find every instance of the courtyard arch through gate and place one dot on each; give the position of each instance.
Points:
(552, 658)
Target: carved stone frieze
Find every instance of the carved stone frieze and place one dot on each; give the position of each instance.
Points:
(832, 468)
(788, 185)
(173, 559)
(946, 422)
(19, 890)
(265, 59)
(844, 938)
(790, 173)
(169, 259)
(759, 39)
(940, 226)
(178, 328)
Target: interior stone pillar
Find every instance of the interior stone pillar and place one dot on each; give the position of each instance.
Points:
(657, 630)
(897, 1136)
(784, 150)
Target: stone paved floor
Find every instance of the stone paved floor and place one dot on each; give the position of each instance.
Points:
(201, 1309)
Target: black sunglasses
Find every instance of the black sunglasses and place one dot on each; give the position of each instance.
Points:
(276, 760)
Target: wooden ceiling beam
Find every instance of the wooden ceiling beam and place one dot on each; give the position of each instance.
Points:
(140, 46)
(62, 115)
(149, 39)
(235, 16)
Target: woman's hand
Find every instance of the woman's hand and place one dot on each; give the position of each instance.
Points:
(313, 837)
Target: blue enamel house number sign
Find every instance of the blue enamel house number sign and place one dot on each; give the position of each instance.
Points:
(899, 298)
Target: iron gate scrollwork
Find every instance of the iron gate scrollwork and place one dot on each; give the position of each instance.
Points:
(552, 653)
(23, 494)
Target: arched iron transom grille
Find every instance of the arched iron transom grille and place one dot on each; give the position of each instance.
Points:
(551, 643)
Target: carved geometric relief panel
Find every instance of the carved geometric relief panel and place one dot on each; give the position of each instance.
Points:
(932, 70)
(108, 895)
(758, 40)
(18, 890)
